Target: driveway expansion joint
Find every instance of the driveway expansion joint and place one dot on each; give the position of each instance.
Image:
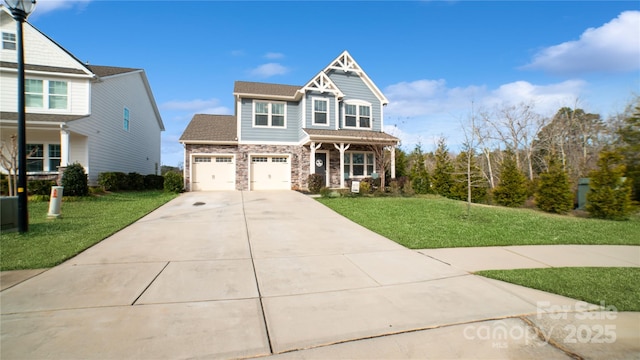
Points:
(150, 283)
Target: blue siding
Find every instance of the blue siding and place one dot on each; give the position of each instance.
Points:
(354, 88)
(288, 134)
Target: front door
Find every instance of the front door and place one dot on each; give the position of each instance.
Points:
(321, 166)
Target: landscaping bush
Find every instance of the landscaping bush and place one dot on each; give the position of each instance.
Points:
(153, 182)
(512, 189)
(609, 196)
(135, 181)
(113, 181)
(173, 182)
(554, 193)
(40, 187)
(74, 181)
(365, 186)
(316, 182)
(394, 188)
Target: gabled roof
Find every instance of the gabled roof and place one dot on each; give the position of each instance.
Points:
(43, 68)
(345, 63)
(205, 128)
(245, 88)
(322, 83)
(353, 136)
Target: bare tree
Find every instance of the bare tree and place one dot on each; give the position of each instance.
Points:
(9, 161)
(516, 126)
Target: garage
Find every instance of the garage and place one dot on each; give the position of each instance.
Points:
(270, 172)
(213, 172)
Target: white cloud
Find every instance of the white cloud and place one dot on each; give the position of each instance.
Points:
(613, 47)
(273, 55)
(268, 70)
(423, 110)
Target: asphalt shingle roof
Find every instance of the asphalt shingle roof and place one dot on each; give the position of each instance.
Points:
(256, 88)
(109, 70)
(205, 127)
(366, 135)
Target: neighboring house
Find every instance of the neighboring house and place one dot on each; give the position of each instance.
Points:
(333, 126)
(104, 118)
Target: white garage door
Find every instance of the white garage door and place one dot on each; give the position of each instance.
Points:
(213, 172)
(270, 172)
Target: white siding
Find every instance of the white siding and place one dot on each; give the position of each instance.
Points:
(38, 50)
(110, 147)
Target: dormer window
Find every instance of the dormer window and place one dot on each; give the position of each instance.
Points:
(357, 115)
(269, 114)
(8, 41)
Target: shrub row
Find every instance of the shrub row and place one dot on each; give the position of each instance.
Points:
(119, 181)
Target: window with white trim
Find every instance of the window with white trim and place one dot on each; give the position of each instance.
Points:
(357, 116)
(258, 159)
(202, 159)
(46, 94)
(359, 164)
(279, 159)
(223, 159)
(8, 41)
(43, 157)
(320, 112)
(126, 119)
(269, 114)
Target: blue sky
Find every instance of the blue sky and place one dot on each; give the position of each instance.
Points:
(432, 59)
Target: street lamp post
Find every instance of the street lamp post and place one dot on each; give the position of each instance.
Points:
(20, 9)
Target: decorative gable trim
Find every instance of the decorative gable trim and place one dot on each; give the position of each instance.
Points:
(345, 62)
(322, 84)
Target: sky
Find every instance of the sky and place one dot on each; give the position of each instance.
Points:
(437, 62)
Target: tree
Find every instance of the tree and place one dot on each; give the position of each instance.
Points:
(512, 188)
(442, 178)
(609, 195)
(554, 193)
(469, 184)
(418, 174)
(630, 149)
(401, 163)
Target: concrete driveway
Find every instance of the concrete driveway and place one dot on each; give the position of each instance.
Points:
(248, 274)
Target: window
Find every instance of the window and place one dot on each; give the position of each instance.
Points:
(57, 94)
(35, 157)
(320, 112)
(8, 41)
(357, 116)
(33, 93)
(358, 164)
(269, 114)
(201, 159)
(125, 122)
(258, 159)
(52, 95)
(279, 159)
(223, 159)
(43, 157)
(54, 156)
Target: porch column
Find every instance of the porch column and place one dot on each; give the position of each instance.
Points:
(312, 158)
(64, 146)
(342, 148)
(393, 161)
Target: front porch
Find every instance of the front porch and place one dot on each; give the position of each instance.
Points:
(345, 155)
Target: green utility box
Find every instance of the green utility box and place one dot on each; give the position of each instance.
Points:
(9, 213)
(583, 189)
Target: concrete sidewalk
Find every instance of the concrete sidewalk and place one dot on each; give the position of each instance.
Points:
(249, 274)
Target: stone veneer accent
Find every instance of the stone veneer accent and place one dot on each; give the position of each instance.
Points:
(299, 156)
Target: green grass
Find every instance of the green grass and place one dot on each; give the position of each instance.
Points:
(613, 286)
(436, 222)
(83, 224)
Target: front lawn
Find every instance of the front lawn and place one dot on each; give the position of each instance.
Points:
(84, 223)
(437, 222)
(613, 286)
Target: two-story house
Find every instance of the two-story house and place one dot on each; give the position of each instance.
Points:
(333, 125)
(104, 118)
